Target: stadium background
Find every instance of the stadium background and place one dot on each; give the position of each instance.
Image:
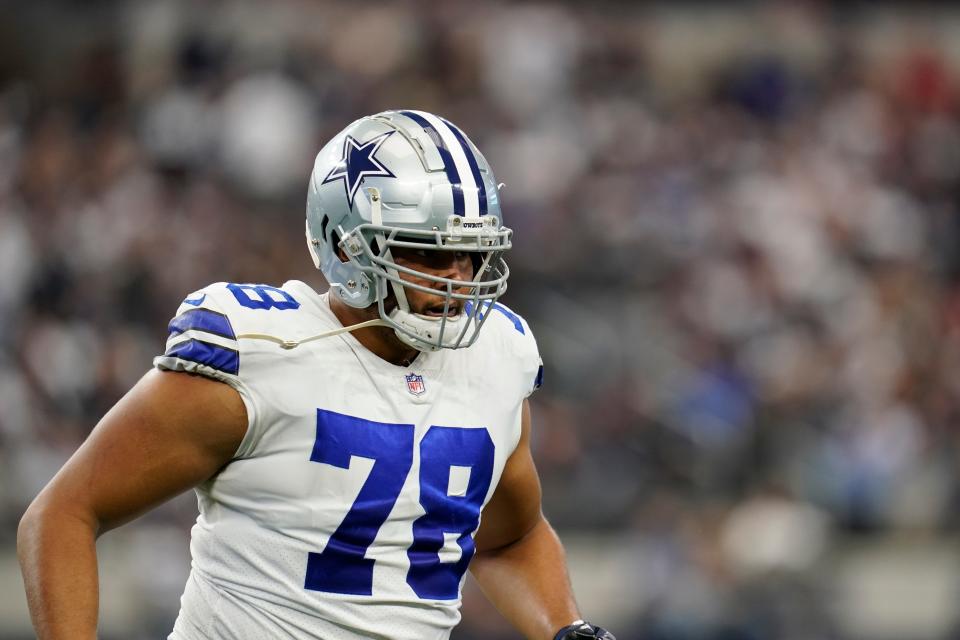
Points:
(736, 239)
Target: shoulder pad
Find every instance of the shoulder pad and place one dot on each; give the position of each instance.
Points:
(203, 334)
(210, 321)
(501, 314)
(512, 334)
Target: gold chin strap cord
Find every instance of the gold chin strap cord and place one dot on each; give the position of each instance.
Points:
(291, 344)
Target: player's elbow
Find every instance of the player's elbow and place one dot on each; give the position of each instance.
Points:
(28, 529)
(38, 515)
(44, 519)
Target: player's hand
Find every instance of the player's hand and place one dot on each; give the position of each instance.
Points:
(581, 630)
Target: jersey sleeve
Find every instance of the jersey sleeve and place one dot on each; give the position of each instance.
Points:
(531, 362)
(538, 378)
(201, 340)
(519, 341)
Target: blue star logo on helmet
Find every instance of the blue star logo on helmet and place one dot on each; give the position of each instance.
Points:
(358, 162)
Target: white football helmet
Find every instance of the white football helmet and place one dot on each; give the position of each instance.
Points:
(407, 179)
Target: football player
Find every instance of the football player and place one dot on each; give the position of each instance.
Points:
(353, 452)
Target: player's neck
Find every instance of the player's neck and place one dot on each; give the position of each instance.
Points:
(381, 341)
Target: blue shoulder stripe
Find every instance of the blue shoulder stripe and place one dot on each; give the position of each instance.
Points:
(514, 318)
(202, 320)
(212, 355)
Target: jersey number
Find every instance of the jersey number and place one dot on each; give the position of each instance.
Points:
(456, 468)
(262, 296)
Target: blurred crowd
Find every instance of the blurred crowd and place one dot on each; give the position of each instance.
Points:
(736, 241)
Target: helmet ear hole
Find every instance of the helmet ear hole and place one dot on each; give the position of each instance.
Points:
(335, 242)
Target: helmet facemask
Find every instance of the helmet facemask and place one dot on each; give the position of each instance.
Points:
(369, 248)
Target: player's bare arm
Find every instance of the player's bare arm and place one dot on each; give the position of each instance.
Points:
(520, 563)
(171, 432)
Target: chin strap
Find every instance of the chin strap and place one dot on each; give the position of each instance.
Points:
(291, 344)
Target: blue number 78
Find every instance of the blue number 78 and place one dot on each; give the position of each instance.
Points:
(342, 566)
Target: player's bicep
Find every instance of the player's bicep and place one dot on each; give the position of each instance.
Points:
(514, 508)
(171, 432)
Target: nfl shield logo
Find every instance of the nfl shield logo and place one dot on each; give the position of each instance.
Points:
(415, 384)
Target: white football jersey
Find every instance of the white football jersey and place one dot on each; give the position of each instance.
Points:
(350, 507)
